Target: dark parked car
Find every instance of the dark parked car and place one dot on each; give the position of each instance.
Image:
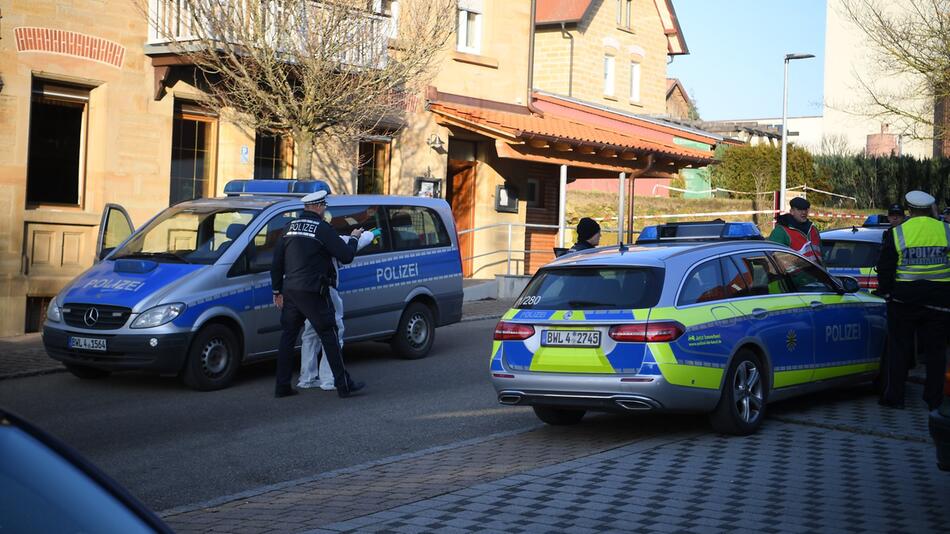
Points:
(48, 487)
(940, 427)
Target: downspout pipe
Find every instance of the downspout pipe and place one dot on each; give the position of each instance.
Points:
(531, 108)
(570, 65)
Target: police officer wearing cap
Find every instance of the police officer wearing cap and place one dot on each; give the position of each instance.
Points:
(895, 214)
(914, 275)
(301, 276)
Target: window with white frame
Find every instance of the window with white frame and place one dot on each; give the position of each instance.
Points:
(620, 12)
(389, 9)
(629, 14)
(469, 27)
(635, 82)
(609, 63)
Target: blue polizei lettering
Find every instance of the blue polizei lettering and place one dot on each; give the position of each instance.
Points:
(925, 256)
(396, 273)
(842, 332)
(101, 284)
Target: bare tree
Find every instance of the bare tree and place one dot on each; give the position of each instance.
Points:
(909, 41)
(835, 145)
(330, 69)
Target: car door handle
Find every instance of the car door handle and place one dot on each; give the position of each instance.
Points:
(759, 313)
(816, 304)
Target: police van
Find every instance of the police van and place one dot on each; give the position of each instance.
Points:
(696, 317)
(189, 292)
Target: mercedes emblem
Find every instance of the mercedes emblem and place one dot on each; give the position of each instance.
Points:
(91, 317)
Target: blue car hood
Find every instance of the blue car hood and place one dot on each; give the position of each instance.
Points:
(123, 283)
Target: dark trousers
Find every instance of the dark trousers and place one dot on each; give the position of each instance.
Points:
(930, 327)
(298, 307)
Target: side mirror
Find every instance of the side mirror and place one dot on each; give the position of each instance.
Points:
(849, 284)
(105, 252)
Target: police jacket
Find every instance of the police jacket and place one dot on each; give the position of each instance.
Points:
(303, 256)
(915, 261)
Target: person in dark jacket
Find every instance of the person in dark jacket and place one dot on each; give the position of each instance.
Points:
(588, 234)
(301, 277)
(914, 276)
(794, 230)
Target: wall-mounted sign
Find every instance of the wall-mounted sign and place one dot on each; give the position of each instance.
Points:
(428, 187)
(245, 155)
(506, 199)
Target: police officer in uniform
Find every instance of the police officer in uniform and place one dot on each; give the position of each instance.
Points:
(302, 275)
(914, 275)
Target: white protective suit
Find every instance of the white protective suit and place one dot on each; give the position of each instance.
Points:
(310, 347)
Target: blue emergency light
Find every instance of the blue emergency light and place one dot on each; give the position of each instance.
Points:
(699, 231)
(876, 220)
(275, 187)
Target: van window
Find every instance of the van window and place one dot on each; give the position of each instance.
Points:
(415, 227)
(345, 219)
(593, 289)
(760, 275)
(195, 234)
(702, 284)
(259, 254)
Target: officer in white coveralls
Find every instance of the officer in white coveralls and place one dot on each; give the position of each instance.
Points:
(311, 374)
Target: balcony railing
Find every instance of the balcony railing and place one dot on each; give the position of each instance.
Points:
(172, 22)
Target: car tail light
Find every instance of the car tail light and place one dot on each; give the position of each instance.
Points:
(867, 282)
(513, 331)
(651, 332)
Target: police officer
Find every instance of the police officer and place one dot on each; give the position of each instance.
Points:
(895, 214)
(914, 275)
(302, 275)
(588, 234)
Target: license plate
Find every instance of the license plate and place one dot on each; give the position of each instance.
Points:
(87, 343)
(571, 338)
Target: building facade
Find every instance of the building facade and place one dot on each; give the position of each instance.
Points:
(95, 109)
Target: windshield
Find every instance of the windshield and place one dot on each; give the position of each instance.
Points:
(593, 289)
(850, 253)
(188, 234)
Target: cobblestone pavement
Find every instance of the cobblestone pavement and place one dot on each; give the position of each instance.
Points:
(24, 355)
(834, 462)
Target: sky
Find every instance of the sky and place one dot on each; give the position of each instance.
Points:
(737, 47)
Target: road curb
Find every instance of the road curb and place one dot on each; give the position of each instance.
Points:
(480, 318)
(35, 372)
(218, 501)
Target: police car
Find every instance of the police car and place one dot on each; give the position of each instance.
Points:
(854, 251)
(189, 292)
(693, 318)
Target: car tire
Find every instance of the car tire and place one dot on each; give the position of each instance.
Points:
(559, 416)
(416, 332)
(742, 404)
(85, 372)
(213, 359)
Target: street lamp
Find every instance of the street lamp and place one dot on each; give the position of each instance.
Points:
(788, 57)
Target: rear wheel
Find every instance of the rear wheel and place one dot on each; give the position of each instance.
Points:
(416, 332)
(559, 416)
(741, 407)
(213, 359)
(84, 372)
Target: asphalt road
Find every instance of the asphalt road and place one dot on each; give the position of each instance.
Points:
(171, 446)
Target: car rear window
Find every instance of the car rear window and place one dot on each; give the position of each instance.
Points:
(594, 288)
(850, 253)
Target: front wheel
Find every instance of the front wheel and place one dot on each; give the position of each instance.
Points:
(741, 407)
(85, 372)
(213, 359)
(559, 416)
(416, 332)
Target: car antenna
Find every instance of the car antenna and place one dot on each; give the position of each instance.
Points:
(623, 248)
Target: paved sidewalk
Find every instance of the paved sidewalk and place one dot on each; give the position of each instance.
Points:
(22, 356)
(800, 473)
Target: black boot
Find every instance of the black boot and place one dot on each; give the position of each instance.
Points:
(285, 390)
(347, 387)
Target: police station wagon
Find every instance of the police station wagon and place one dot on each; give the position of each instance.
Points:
(189, 292)
(679, 325)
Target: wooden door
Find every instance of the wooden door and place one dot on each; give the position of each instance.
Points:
(461, 196)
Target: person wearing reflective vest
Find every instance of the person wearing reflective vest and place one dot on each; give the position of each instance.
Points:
(795, 231)
(914, 276)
